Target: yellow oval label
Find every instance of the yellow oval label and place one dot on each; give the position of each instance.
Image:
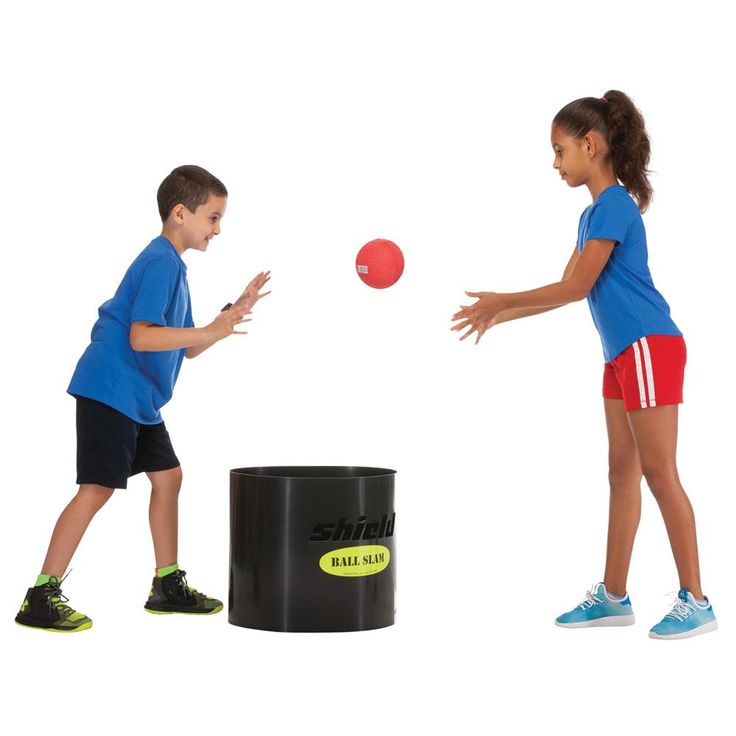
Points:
(354, 562)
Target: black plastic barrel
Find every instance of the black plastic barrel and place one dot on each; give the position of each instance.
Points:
(312, 548)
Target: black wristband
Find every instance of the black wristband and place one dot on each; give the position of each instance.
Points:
(226, 307)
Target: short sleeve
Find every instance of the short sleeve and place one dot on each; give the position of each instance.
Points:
(154, 291)
(609, 220)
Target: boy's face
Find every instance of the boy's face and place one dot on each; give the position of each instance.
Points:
(198, 228)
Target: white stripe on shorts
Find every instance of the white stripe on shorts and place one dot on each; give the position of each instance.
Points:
(649, 371)
(639, 376)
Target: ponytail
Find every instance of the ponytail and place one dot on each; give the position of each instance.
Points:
(617, 119)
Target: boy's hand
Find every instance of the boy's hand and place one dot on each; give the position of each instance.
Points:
(485, 313)
(251, 294)
(224, 324)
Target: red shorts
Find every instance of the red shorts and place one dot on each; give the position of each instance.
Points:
(648, 373)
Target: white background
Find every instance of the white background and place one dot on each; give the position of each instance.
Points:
(333, 123)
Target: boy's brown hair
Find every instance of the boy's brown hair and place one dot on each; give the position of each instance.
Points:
(187, 185)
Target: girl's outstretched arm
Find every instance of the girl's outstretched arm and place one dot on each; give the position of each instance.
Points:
(489, 306)
(511, 314)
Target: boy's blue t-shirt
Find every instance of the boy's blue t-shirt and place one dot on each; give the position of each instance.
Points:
(624, 302)
(136, 383)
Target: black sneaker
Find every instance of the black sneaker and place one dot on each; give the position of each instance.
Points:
(171, 594)
(45, 608)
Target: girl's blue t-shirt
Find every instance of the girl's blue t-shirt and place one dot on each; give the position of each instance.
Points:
(624, 302)
(136, 383)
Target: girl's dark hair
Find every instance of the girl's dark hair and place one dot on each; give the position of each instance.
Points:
(187, 185)
(616, 118)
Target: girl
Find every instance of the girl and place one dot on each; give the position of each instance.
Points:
(600, 142)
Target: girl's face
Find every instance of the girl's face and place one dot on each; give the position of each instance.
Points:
(573, 156)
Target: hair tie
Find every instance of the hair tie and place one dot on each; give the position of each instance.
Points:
(604, 99)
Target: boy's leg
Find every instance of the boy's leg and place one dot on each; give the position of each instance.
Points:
(624, 475)
(72, 524)
(163, 514)
(170, 592)
(655, 433)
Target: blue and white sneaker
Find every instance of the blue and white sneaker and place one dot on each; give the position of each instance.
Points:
(598, 608)
(687, 618)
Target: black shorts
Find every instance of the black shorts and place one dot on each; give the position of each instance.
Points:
(111, 447)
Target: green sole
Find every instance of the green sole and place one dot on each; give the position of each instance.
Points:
(83, 627)
(186, 613)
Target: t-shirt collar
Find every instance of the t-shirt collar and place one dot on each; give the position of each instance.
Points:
(610, 186)
(174, 251)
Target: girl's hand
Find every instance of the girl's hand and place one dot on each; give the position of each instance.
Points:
(480, 316)
(224, 324)
(251, 293)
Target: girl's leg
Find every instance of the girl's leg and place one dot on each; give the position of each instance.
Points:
(624, 477)
(163, 514)
(655, 434)
(72, 524)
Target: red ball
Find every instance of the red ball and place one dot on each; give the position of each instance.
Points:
(380, 263)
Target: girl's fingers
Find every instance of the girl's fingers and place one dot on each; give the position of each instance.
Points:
(464, 312)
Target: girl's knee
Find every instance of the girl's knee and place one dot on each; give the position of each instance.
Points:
(624, 473)
(662, 478)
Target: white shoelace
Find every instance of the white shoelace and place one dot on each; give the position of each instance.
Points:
(590, 600)
(680, 609)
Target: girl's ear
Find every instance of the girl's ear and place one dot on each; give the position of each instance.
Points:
(593, 143)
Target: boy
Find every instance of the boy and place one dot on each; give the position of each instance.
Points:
(122, 380)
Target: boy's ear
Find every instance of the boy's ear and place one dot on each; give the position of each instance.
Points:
(177, 212)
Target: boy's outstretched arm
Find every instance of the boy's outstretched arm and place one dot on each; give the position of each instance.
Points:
(247, 299)
(148, 337)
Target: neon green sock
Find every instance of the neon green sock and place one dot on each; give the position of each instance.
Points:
(42, 580)
(162, 571)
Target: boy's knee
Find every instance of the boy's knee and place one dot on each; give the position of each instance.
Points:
(94, 495)
(168, 479)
